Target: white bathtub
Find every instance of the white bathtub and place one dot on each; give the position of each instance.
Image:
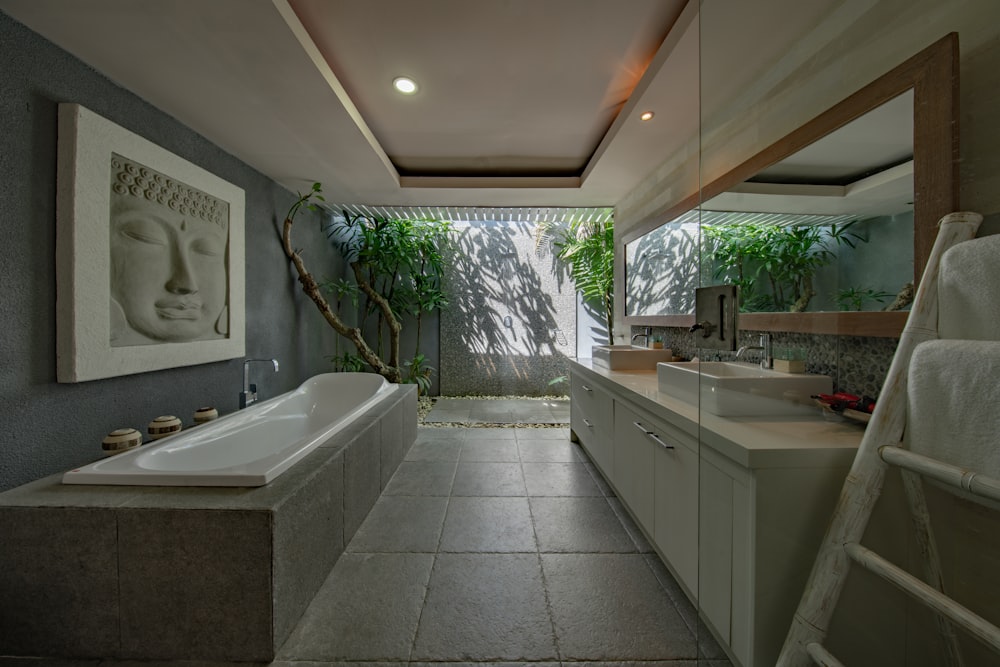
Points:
(249, 447)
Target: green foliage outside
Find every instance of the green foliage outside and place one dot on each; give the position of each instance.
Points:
(396, 267)
(774, 265)
(588, 250)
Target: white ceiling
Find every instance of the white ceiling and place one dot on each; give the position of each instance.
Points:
(528, 103)
(521, 102)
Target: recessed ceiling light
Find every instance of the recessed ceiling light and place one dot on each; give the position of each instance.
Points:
(646, 115)
(405, 85)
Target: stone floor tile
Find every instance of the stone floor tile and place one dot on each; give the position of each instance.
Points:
(610, 607)
(559, 479)
(434, 450)
(485, 607)
(583, 525)
(367, 609)
(641, 543)
(543, 434)
(501, 451)
(488, 434)
(548, 451)
(488, 525)
(681, 602)
(401, 523)
(422, 478)
(598, 478)
(488, 479)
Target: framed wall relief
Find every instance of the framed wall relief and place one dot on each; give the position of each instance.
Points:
(149, 255)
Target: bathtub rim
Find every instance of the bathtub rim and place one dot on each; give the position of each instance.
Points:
(260, 473)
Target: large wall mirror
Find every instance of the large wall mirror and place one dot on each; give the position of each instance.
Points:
(856, 192)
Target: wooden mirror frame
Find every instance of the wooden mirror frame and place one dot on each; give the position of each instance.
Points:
(933, 74)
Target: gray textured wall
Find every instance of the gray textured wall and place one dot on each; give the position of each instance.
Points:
(494, 273)
(49, 427)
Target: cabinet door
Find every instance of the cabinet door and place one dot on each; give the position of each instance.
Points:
(592, 420)
(633, 473)
(715, 557)
(675, 511)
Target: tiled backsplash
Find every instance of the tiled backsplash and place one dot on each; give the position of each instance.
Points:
(857, 364)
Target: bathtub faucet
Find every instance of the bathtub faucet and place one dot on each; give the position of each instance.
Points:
(249, 394)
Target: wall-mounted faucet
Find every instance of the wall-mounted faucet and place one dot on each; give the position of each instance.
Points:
(766, 358)
(644, 336)
(249, 394)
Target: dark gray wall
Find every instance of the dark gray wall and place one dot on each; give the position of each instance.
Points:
(49, 427)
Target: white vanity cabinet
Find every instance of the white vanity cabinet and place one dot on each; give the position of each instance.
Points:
(592, 420)
(736, 508)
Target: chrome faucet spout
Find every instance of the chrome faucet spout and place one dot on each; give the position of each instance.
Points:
(644, 336)
(249, 394)
(766, 358)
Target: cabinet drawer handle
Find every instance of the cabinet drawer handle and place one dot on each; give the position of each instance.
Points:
(652, 435)
(585, 387)
(587, 423)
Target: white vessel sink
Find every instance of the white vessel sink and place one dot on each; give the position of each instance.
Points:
(729, 389)
(629, 357)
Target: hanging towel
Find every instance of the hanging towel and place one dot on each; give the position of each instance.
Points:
(952, 412)
(969, 290)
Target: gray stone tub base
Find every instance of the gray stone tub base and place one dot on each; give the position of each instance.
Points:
(189, 573)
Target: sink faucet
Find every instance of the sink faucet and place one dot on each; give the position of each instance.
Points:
(765, 351)
(249, 394)
(644, 336)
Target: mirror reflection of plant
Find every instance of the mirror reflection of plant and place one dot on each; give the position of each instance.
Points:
(396, 265)
(587, 247)
(854, 298)
(785, 256)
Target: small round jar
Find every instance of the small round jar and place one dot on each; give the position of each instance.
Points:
(163, 426)
(121, 440)
(206, 414)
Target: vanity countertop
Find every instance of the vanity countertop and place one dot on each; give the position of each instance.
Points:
(751, 442)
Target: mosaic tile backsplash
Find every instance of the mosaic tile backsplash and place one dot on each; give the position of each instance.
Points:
(857, 364)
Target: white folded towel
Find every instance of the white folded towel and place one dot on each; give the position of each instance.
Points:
(952, 414)
(969, 290)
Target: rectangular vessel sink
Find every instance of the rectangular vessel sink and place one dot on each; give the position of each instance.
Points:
(629, 357)
(729, 389)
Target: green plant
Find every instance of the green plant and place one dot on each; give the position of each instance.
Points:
(854, 298)
(784, 258)
(588, 249)
(346, 361)
(418, 373)
(396, 265)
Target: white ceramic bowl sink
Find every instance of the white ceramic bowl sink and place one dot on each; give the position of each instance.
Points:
(629, 357)
(729, 389)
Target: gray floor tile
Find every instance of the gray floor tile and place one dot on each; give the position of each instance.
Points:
(401, 523)
(596, 475)
(488, 525)
(439, 433)
(485, 607)
(681, 602)
(543, 434)
(488, 434)
(501, 451)
(548, 451)
(609, 607)
(641, 543)
(583, 525)
(488, 479)
(559, 479)
(434, 450)
(422, 478)
(367, 609)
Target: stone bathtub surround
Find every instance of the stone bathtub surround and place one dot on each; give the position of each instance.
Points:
(189, 573)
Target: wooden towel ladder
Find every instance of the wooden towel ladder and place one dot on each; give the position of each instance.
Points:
(880, 448)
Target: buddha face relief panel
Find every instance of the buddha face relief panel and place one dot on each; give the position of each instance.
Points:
(169, 259)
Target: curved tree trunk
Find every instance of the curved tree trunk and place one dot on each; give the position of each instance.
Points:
(389, 371)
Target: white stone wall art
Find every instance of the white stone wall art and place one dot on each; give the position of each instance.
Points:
(149, 255)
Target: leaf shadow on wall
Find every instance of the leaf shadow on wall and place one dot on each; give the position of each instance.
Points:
(501, 307)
